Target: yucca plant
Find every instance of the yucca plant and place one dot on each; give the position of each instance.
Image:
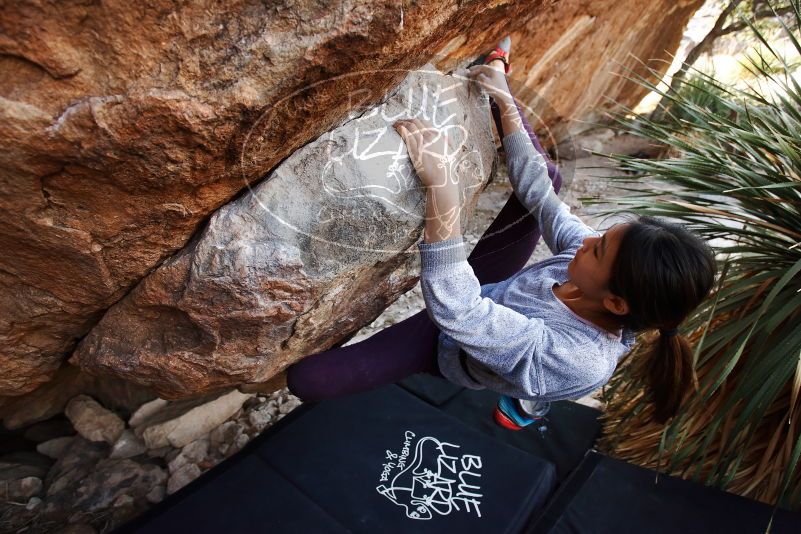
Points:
(699, 91)
(732, 174)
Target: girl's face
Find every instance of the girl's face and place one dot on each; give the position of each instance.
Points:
(591, 268)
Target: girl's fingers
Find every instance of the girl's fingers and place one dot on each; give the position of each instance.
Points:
(418, 131)
(402, 122)
(426, 129)
(407, 137)
(408, 132)
(420, 124)
(412, 144)
(411, 127)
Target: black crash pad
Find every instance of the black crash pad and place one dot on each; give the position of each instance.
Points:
(571, 429)
(380, 461)
(605, 495)
(246, 496)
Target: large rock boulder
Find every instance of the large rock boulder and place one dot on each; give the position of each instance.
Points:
(312, 253)
(123, 127)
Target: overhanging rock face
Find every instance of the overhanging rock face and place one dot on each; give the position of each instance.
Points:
(123, 128)
(310, 254)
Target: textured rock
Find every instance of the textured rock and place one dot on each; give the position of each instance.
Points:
(23, 464)
(146, 411)
(289, 405)
(192, 453)
(68, 382)
(182, 477)
(173, 410)
(34, 503)
(193, 424)
(260, 418)
(76, 463)
(573, 57)
(122, 129)
(128, 445)
(56, 447)
(108, 484)
(156, 494)
(225, 435)
(21, 489)
(92, 421)
(313, 252)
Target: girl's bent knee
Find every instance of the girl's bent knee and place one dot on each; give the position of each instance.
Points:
(302, 385)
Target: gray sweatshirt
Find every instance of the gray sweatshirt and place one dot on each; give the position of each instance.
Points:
(518, 337)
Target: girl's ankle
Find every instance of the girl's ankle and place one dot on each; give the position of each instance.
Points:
(497, 64)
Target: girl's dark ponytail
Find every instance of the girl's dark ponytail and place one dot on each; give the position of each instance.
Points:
(668, 372)
(663, 271)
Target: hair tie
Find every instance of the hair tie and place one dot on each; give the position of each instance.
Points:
(668, 333)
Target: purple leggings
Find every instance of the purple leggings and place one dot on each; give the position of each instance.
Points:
(410, 346)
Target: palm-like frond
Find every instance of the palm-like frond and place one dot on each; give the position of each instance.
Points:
(733, 176)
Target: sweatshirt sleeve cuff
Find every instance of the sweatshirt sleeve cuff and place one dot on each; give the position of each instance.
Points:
(440, 255)
(518, 144)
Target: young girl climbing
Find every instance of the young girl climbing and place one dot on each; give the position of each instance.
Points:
(550, 331)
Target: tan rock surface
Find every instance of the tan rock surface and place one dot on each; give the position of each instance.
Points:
(122, 127)
(313, 252)
(93, 421)
(51, 397)
(195, 423)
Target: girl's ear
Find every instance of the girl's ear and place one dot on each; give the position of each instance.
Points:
(616, 305)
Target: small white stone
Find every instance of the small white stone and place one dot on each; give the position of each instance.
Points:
(93, 421)
(224, 434)
(195, 423)
(240, 441)
(192, 453)
(54, 448)
(23, 489)
(123, 500)
(145, 411)
(182, 477)
(128, 445)
(197, 450)
(260, 418)
(289, 405)
(156, 494)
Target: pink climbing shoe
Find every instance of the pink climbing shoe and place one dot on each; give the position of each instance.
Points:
(501, 52)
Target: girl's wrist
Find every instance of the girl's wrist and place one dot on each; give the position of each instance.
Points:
(444, 196)
(443, 213)
(437, 234)
(506, 102)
